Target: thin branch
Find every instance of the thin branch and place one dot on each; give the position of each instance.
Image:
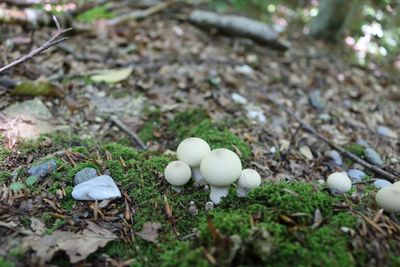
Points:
(51, 42)
(390, 176)
(132, 134)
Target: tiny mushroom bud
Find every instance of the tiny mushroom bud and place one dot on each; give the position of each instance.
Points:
(177, 174)
(248, 179)
(339, 182)
(220, 168)
(388, 198)
(192, 150)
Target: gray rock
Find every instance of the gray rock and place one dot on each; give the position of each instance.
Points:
(385, 132)
(335, 157)
(379, 183)
(355, 175)
(43, 169)
(85, 175)
(315, 100)
(373, 157)
(99, 188)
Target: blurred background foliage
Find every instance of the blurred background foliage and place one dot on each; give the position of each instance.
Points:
(367, 31)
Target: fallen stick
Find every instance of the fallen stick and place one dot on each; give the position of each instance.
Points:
(132, 134)
(53, 41)
(240, 26)
(391, 177)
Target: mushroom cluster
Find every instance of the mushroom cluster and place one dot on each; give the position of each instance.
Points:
(219, 168)
(387, 198)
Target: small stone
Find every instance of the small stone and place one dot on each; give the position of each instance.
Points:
(373, 157)
(85, 175)
(386, 132)
(325, 117)
(335, 157)
(238, 99)
(306, 152)
(209, 206)
(244, 69)
(356, 175)
(99, 188)
(380, 183)
(255, 113)
(314, 99)
(43, 169)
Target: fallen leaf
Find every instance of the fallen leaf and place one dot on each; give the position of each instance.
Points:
(150, 231)
(36, 89)
(112, 76)
(78, 246)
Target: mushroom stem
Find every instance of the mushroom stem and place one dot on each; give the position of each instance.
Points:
(217, 193)
(177, 188)
(198, 177)
(242, 191)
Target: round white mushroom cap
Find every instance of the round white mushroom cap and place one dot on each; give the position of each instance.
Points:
(388, 198)
(249, 178)
(397, 184)
(192, 150)
(339, 182)
(177, 173)
(221, 167)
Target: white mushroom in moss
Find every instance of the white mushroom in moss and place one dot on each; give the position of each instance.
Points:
(248, 179)
(177, 174)
(339, 182)
(388, 198)
(220, 168)
(192, 150)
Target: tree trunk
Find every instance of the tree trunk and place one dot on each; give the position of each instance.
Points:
(330, 23)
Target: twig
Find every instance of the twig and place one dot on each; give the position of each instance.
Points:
(132, 134)
(53, 41)
(391, 177)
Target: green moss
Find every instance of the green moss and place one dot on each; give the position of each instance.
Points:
(4, 175)
(5, 263)
(288, 198)
(68, 202)
(219, 138)
(120, 250)
(56, 225)
(184, 121)
(356, 149)
(152, 123)
(181, 254)
(120, 151)
(98, 12)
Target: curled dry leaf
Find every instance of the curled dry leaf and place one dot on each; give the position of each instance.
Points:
(150, 231)
(78, 246)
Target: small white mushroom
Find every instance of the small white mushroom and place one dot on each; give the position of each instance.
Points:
(192, 150)
(248, 179)
(177, 174)
(220, 168)
(397, 184)
(339, 182)
(388, 198)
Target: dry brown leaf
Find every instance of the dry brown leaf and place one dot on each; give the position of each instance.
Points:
(78, 246)
(150, 231)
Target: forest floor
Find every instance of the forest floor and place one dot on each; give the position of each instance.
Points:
(185, 81)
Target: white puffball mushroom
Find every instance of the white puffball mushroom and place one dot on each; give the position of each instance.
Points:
(177, 174)
(192, 150)
(339, 182)
(220, 168)
(397, 184)
(248, 179)
(388, 198)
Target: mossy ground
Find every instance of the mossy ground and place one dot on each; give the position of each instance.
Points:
(275, 225)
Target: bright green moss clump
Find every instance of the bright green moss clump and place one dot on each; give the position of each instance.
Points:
(4, 175)
(181, 254)
(356, 149)
(220, 138)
